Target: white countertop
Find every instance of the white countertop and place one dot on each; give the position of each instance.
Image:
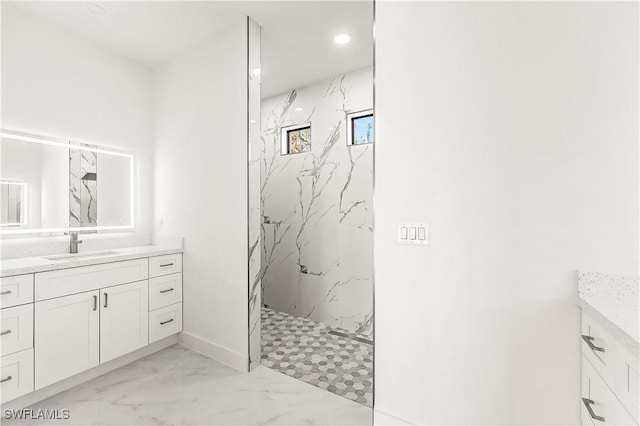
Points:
(613, 300)
(29, 265)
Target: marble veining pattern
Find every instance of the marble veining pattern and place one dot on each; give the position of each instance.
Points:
(180, 387)
(317, 227)
(309, 351)
(615, 298)
(83, 187)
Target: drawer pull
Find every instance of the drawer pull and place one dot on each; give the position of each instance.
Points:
(4, 333)
(106, 300)
(4, 293)
(589, 341)
(95, 303)
(588, 403)
(166, 264)
(166, 322)
(6, 379)
(166, 291)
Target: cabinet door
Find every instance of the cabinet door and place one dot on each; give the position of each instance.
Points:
(66, 337)
(124, 319)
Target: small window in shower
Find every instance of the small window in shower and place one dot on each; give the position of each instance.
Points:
(360, 128)
(296, 139)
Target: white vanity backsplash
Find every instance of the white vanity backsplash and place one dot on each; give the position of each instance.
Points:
(16, 247)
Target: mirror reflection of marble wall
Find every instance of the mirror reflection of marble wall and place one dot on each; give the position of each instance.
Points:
(83, 187)
(317, 224)
(61, 183)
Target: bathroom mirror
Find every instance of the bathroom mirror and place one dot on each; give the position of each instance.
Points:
(52, 185)
(13, 203)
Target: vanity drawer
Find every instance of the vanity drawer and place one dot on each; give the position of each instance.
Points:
(165, 291)
(599, 347)
(597, 397)
(165, 265)
(87, 278)
(16, 375)
(16, 330)
(16, 290)
(164, 322)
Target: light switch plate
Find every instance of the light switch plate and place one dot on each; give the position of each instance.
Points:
(413, 233)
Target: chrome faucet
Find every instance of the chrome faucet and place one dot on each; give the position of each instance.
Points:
(73, 243)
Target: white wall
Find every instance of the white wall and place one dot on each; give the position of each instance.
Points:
(56, 84)
(201, 185)
(512, 127)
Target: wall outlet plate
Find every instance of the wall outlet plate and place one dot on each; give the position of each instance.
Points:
(413, 233)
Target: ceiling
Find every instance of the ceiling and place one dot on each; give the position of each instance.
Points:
(297, 36)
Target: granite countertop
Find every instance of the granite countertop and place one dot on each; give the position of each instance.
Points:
(613, 300)
(29, 265)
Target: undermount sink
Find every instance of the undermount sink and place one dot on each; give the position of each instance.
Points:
(63, 257)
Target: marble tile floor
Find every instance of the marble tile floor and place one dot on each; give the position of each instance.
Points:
(307, 350)
(181, 387)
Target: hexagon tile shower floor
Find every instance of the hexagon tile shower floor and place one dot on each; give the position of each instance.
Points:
(311, 352)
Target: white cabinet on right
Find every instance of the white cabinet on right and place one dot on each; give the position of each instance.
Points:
(66, 337)
(610, 348)
(124, 320)
(165, 296)
(609, 378)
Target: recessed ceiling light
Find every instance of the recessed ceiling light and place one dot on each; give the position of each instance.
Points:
(256, 71)
(96, 8)
(298, 109)
(343, 38)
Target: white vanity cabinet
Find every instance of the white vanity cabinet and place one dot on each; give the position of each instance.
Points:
(67, 337)
(80, 331)
(62, 322)
(609, 388)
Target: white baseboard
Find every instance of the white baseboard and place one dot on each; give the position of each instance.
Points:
(219, 353)
(380, 418)
(68, 383)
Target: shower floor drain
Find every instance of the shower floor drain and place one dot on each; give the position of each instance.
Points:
(349, 336)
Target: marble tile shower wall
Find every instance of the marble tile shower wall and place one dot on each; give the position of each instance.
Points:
(317, 224)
